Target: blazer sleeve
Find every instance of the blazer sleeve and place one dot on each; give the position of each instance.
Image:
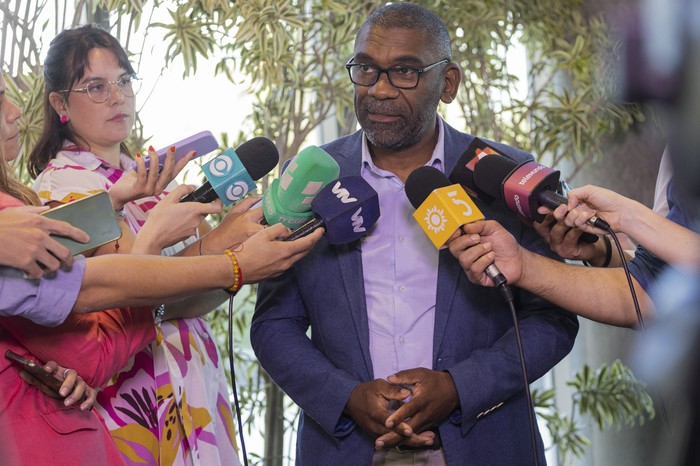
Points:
(97, 345)
(488, 377)
(281, 344)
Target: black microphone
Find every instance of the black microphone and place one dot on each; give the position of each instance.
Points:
(463, 172)
(442, 208)
(347, 208)
(524, 187)
(231, 175)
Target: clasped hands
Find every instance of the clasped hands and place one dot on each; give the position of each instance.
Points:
(426, 398)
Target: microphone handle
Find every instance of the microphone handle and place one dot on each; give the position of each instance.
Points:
(553, 200)
(305, 229)
(204, 194)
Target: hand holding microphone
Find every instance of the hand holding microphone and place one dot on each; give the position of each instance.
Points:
(232, 174)
(524, 187)
(442, 209)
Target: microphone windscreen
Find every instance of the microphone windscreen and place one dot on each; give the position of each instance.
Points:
(422, 181)
(349, 207)
(259, 156)
(491, 172)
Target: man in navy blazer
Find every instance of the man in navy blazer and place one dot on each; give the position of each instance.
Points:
(391, 303)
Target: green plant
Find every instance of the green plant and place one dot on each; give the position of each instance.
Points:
(609, 396)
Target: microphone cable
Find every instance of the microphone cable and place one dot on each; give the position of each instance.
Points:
(640, 319)
(502, 285)
(233, 378)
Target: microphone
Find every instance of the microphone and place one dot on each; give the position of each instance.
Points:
(231, 175)
(524, 187)
(463, 172)
(442, 208)
(288, 199)
(346, 208)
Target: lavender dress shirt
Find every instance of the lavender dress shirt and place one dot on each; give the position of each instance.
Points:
(400, 267)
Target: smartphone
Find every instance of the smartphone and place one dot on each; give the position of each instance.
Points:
(38, 372)
(202, 143)
(94, 215)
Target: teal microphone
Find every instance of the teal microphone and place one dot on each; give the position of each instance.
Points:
(288, 199)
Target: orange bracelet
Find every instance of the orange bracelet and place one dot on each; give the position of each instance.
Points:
(237, 274)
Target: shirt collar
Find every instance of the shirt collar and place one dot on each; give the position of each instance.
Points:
(89, 160)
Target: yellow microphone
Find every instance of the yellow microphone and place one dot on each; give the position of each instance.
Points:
(441, 208)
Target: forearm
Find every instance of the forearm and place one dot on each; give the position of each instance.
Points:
(667, 240)
(128, 280)
(598, 294)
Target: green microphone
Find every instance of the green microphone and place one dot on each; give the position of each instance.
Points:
(288, 199)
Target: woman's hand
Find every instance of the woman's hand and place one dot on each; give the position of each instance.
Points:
(73, 389)
(143, 183)
(263, 255)
(171, 221)
(238, 225)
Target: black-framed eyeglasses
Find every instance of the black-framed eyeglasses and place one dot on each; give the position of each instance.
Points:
(99, 90)
(401, 77)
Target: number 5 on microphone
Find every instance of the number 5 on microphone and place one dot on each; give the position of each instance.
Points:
(444, 211)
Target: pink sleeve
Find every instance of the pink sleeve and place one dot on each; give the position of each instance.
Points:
(97, 345)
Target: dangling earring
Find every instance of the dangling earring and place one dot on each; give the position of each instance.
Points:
(64, 119)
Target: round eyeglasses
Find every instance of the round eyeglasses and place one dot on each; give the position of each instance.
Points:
(401, 77)
(99, 90)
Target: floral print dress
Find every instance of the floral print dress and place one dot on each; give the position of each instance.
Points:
(170, 405)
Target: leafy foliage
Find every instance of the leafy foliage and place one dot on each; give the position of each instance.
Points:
(609, 396)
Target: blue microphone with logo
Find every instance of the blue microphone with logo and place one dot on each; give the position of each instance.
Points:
(232, 174)
(347, 208)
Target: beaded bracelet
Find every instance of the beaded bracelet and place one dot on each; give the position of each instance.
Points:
(237, 273)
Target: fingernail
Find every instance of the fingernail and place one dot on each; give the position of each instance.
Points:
(172, 148)
(84, 407)
(151, 149)
(405, 392)
(68, 401)
(475, 237)
(195, 154)
(138, 154)
(390, 424)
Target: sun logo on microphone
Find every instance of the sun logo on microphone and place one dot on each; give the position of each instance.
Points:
(221, 165)
(435, 219)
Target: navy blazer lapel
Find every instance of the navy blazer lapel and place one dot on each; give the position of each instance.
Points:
(449, 270)
(348, 156)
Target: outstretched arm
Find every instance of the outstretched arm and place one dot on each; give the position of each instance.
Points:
(598, 294)
(667, 240)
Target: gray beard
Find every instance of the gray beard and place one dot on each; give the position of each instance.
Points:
(396, 139)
